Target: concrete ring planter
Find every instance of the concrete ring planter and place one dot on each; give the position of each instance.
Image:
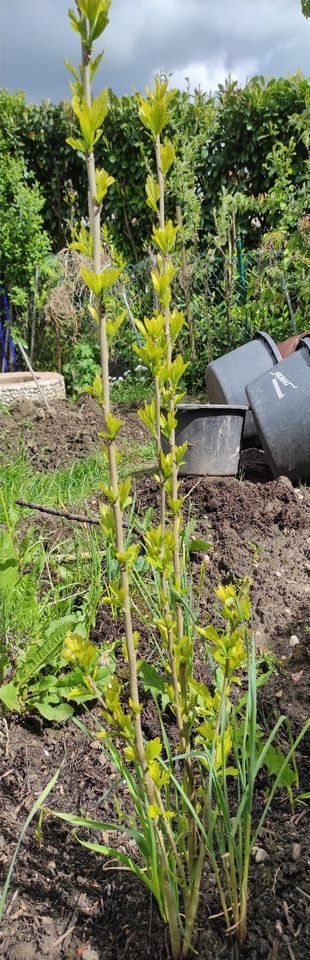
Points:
(213, 434)
(280, 402)
(21, 386)
(227, 377)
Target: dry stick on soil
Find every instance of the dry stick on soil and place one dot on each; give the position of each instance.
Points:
(57, 513)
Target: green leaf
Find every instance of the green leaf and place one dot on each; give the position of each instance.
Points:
(154, 116)
(108, 277)
(76, 144)
(165, 237)
(9, 696)
(151, 679)
(94, 64)
(92, 280)
(303, 796)
(39, 656)
(167, 155)
(153, 749)
(99, 109)
(71, 69)
(152, 192)
(199, 546)
(103, 182)
(57, 714)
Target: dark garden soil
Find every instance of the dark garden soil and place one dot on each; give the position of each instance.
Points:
(56, 440)
(63, 903)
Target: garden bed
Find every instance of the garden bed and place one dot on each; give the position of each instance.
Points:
(63, 904)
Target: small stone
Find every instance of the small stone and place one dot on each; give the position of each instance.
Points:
(285, 481)
(278, 574)
(299, 495)
(296, 851)
(279, 928)
(287, 611)
(51, 865)
(261, 855)
(294, 640)
(296, 677)
(279, 694)
(90, 954)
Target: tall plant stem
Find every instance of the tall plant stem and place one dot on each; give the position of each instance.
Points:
(95, 226)
(181, 709)
(158, 450)
(161, 184)
(191, 911)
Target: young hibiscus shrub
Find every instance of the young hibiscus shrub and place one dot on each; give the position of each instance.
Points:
(179, 817)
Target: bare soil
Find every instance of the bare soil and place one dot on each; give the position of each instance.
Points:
(64, 903)
(55, 440)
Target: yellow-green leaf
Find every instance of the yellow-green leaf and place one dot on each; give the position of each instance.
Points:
(153, 810)
(153, 750)
(92, 280)
(152, 192)
(167, 155)
(165, 237)
(103, 182)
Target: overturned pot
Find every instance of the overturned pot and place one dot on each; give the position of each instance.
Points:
(287, 347)
(227, 377)
(280, 403)
(213, 433)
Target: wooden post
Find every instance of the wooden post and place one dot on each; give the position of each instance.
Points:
(28, 364)
(34, 314)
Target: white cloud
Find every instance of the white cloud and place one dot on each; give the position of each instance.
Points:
(207, 76)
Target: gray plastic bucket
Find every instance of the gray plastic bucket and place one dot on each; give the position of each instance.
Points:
(227, 377)
(280, 402)
(213, 434)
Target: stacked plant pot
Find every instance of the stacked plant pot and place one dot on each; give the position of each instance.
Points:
(275, 381)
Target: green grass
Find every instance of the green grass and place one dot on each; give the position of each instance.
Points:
(73, 484)
(131, 391)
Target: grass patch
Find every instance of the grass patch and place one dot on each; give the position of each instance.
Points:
(73, 484)
(130, 391)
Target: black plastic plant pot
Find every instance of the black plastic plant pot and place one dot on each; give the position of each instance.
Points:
(213, 434)
(280, 403)
(227, 377)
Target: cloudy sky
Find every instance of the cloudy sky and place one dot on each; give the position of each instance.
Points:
(204, 40)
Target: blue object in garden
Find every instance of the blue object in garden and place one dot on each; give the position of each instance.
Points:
(7, 349)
